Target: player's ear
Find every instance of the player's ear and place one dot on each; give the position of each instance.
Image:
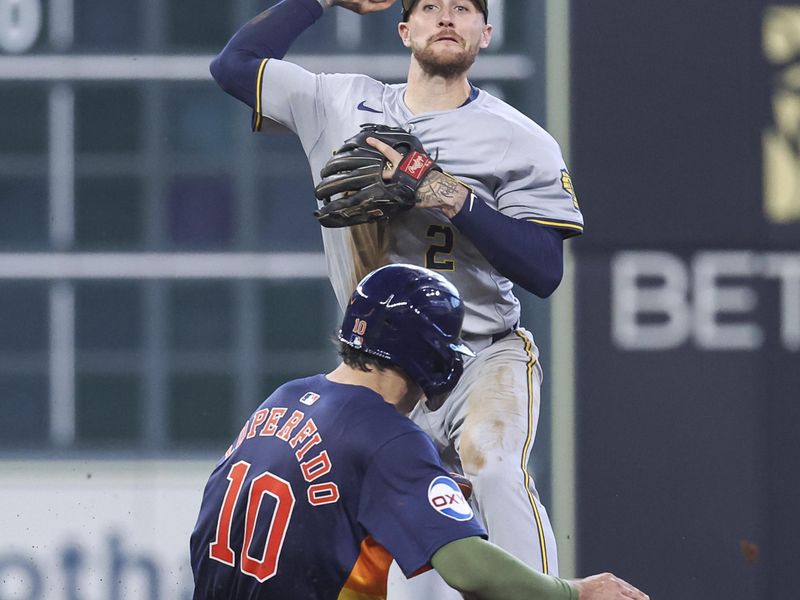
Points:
(402, 29)
(486, 36)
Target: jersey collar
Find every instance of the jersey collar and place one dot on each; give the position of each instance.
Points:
(473, 93)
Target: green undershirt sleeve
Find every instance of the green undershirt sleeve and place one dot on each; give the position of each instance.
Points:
(483, 571)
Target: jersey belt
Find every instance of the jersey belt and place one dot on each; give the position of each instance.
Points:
(478, 342)
(499, 336)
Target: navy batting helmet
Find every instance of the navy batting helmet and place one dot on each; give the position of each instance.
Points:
(411, 317)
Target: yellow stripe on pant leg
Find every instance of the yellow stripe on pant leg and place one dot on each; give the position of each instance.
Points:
(526, 449)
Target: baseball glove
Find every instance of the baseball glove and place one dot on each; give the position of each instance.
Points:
(353, 190)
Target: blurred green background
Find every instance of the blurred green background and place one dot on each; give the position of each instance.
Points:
(115, 142)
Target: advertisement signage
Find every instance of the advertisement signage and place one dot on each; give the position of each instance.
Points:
(98, 530)
(686, 157)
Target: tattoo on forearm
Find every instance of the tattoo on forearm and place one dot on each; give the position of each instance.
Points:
(440, 189)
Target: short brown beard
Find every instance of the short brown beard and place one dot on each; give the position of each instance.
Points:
(433, 66)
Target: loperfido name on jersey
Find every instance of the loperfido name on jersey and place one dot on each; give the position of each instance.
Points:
(446, 498)
(271, 424)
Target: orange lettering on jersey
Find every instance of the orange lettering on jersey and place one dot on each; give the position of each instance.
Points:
(272, 424)
(258, 419)
(293, 422)
(309, 428)
(302, 436)
(316, 439)
(323, 493)
(316, 467)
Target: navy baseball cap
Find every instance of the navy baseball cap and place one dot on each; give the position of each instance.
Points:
(409, 4)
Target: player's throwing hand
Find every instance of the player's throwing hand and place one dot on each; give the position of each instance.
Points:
(606, 586)
(363, 7)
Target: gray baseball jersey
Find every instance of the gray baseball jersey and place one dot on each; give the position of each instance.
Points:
(509, 161)
(488, 423)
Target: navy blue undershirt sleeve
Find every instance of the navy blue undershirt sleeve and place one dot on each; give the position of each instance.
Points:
(528, 254)
(268, 35)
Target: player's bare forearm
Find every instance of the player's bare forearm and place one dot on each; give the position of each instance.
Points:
(442, 191)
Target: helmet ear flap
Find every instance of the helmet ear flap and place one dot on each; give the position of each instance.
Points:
(439, 368)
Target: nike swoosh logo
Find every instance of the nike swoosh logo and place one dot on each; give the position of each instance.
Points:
(363, 106)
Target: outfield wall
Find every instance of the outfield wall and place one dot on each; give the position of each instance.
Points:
(92, 530)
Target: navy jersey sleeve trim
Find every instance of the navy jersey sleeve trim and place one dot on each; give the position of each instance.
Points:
(416, 569)
(528, 252)
(568, 229)
(239, 67)
(258, 117)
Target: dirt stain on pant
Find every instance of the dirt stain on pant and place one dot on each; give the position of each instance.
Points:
(496, 422)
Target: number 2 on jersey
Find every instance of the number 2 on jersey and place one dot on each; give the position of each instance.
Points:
(443, 236)
(220, 549)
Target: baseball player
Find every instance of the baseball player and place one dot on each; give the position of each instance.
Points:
(327, 477)
(492, 210)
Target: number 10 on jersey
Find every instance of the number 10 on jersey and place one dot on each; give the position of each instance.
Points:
(265, 566)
